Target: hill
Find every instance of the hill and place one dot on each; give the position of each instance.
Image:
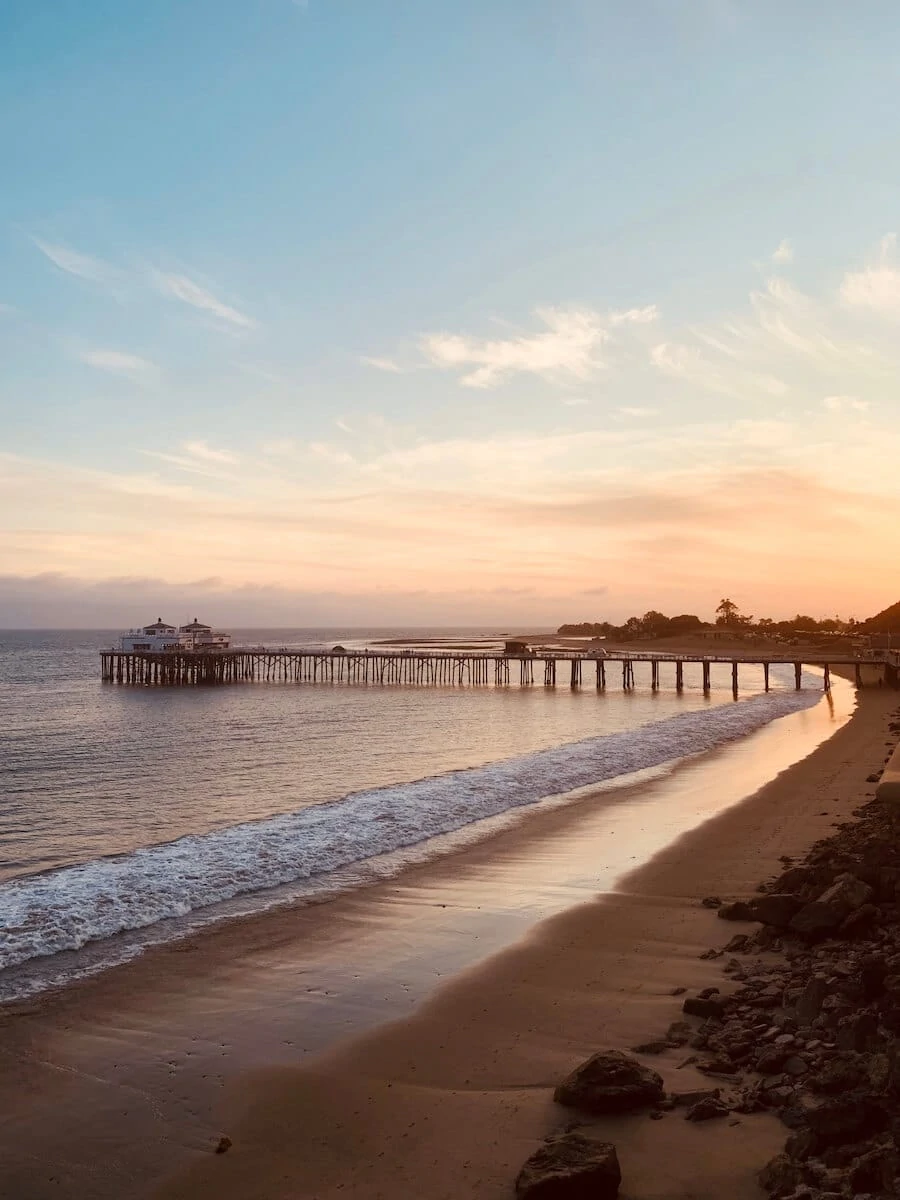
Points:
(887, 621)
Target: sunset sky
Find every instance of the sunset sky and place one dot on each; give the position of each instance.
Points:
(399, 311)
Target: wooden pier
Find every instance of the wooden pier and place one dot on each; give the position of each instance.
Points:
(181, 668)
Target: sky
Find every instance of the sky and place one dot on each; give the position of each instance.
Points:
(401, 312)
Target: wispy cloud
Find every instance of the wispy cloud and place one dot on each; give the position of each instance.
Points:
(180, 287)
(876, 287)
(383, 364)
(74, 263)
(568, 345)
(629, 410)
(209, 453)
(784, 253)
(117, 362)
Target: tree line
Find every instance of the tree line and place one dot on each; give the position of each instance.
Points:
(655, 624)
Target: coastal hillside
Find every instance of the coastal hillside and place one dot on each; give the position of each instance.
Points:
(884, 622)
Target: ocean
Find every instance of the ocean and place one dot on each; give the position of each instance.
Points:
(129, 816)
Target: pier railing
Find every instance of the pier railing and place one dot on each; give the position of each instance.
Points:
(178, 668)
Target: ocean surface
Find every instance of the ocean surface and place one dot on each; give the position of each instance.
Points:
(130, 815)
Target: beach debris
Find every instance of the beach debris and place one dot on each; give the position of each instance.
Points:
(223, 1145)
(656, 1047)
(571, 1166)
(610, 1082)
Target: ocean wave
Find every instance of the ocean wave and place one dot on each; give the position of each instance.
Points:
(65, 909)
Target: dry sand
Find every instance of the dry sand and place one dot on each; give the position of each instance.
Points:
(99, 1097)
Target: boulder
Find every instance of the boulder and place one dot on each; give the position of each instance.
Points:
(830, 910)
(571, 1166)
(736, 910)
(775, 909)
(610, 1082)
(698, 1006)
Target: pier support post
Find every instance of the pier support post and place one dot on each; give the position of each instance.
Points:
(798, 671)
(766, 674)
(654, 676)
(734, 677)
(827, 678)
(679, 676)
(706, 682)
(858, 672)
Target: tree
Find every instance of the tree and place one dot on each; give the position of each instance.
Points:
(728, 612)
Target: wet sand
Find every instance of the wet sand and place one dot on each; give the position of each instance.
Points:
(124, 1079)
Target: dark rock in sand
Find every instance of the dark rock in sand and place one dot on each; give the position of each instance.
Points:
(736, 910)
(710, 901)
(697, 1006)
(610, 1082)
(571, 1166)
(223, 1145)
(775, 908)
(652, 1047)
(707, 1110)
(830, 910)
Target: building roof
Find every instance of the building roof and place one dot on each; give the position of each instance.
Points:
(194, 627)
(159, 624)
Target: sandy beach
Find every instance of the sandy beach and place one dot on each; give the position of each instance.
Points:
(271, 1032)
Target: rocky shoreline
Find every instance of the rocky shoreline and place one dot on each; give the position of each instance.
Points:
(806, 1025)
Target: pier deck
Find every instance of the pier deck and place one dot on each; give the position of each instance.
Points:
(179, 668)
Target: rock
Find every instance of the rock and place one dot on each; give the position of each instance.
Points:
(772, 1059)
(839, 1121)
(651, 1047)
(736, 910)
(695, 1006)
(857, 1032)
(571, 1166)
(677, 991)
(811, 998)
(223, 1145)
(796, 1065)
(859, 922)
(610, 1082)
(836, 903)
(874, 777)
(711, 902)
(780, 1176)
(775, 909)
(707, 1110)
(737, 943)
(846, 894)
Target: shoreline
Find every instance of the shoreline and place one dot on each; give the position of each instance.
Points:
(472, 1071)
(122, 1016)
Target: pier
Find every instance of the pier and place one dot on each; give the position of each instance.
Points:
(191, 668)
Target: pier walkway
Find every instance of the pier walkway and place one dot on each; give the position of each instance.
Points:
(178, 668)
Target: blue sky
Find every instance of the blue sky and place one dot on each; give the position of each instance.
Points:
(491, 311)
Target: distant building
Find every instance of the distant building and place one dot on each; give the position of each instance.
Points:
(516, 647)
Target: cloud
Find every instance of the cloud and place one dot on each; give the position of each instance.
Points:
(184, 289)
(628, 410)
(638, 316)
(383, 364)
(74, 263)
(569, 345)
(784, 253)
(845, 403)
(876, 287)
(117, 362)
(208, 454)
